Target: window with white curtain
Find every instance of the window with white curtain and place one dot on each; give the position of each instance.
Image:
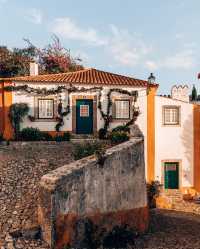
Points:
(45, 108)
(122, 109)
(171, 115)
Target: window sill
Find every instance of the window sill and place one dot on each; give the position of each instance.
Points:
(45, 120)
(118, 120)
(171, 125)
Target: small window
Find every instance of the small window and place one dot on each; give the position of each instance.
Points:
(84, 110)
(171, 115)
(46, 108)
(122, 109)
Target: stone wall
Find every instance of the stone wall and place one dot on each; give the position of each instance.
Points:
(90, 197)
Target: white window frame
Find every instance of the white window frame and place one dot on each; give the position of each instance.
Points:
(173, 115)
(120, 115)
(46, 115)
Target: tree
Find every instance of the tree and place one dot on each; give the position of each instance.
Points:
(194, 93)
(53, 58)
(15, 62)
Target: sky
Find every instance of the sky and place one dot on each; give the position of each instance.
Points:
(129, 37)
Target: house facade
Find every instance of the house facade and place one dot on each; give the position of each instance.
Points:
(170, 125)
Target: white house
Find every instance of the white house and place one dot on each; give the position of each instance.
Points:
(91, 97)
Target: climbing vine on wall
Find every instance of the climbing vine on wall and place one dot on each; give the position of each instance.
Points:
(62, 112)
(107, 116)
(17, 113)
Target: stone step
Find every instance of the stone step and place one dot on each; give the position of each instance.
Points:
(174, 200)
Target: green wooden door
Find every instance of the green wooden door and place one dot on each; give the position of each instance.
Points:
(171, 170)
(84, 116)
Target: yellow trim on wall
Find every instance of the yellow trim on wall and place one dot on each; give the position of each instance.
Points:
(7, 102)
(196, 135)
(1, 109)
(151, 134)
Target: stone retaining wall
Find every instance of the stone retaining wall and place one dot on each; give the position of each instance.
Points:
(88, 197)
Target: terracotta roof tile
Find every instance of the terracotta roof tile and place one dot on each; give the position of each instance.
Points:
(86, 76)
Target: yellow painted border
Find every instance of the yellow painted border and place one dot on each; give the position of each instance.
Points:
(196, 145)
(151, 134)
(7, 102)
(1, 109)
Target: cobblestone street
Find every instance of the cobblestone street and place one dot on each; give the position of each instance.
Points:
(21, 167)
(171, 230)
(168, 230)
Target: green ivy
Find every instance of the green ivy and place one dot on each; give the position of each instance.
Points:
(17, 112)
(107, 117)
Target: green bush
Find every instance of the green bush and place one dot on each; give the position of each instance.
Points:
(47, 136)
(102, 133)
(119, 237)
(32, 134)
(17, 112)
(85, 149)
(1, 137)
(153, 190)
(58, 138)
(65, 137)
(124, 128)
(117, 137)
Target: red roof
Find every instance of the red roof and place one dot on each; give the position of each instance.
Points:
(85, 76)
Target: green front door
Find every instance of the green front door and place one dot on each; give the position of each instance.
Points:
(84, 116)
(171, 171)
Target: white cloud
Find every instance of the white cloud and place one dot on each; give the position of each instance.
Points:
(127, 49)
(70, 30)
(151, 65)
(3, 1)
(34, 15)
(190, 45)
(181, 60)
(179, 36)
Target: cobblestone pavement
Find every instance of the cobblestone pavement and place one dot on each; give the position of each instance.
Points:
(21, 167)
(171, 230)
(22, 243)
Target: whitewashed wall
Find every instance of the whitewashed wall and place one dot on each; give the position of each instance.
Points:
(175, 142)
(29, 99)
(50, 125)
(171, 143)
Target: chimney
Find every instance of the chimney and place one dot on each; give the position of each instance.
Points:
(33, 69)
